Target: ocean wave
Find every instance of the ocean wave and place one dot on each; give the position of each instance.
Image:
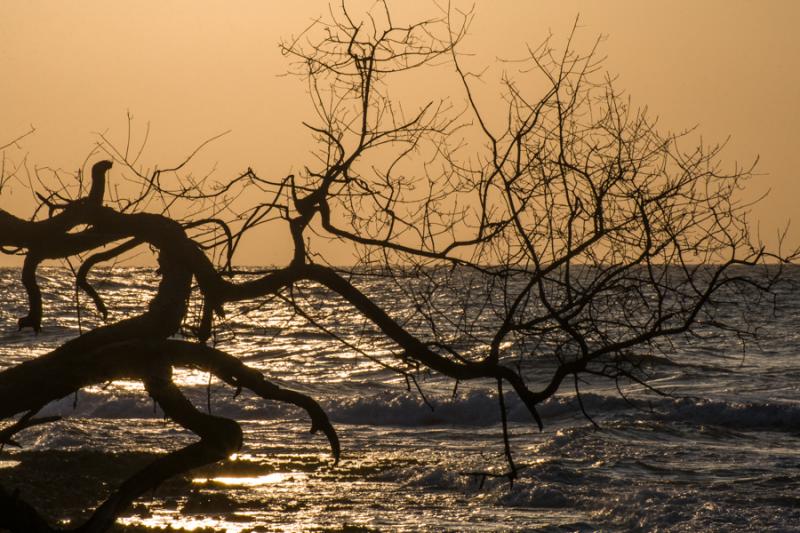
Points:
(471, 408)
(732, 414)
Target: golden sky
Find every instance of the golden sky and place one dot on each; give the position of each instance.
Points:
(193, 69)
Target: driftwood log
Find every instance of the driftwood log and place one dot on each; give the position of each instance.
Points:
(582, 236)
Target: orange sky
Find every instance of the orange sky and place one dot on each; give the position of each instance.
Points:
(196, 68)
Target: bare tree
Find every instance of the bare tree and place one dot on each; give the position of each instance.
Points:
(570, 231)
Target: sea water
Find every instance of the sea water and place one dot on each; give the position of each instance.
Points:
(720, 452)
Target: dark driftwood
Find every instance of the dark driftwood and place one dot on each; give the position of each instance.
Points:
(592, 238)
(138, 347)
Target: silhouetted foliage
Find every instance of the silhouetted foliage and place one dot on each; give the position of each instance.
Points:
(588, 238)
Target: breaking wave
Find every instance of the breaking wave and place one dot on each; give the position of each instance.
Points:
(473, 408)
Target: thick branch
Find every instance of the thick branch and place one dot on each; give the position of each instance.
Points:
(237, 374)
(83, 271)
(219, 438)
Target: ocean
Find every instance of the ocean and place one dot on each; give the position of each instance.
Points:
(718, 451)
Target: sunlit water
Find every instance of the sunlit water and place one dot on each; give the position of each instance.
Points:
(722, 454)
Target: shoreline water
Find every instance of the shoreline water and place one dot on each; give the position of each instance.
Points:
(723, 454)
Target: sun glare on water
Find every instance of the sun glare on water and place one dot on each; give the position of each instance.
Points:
(238, 522)
(252, 481)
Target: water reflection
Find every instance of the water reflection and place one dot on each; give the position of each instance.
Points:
(252, 481)
(161, 522)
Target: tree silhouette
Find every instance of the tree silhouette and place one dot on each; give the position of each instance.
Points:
(577, 231)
